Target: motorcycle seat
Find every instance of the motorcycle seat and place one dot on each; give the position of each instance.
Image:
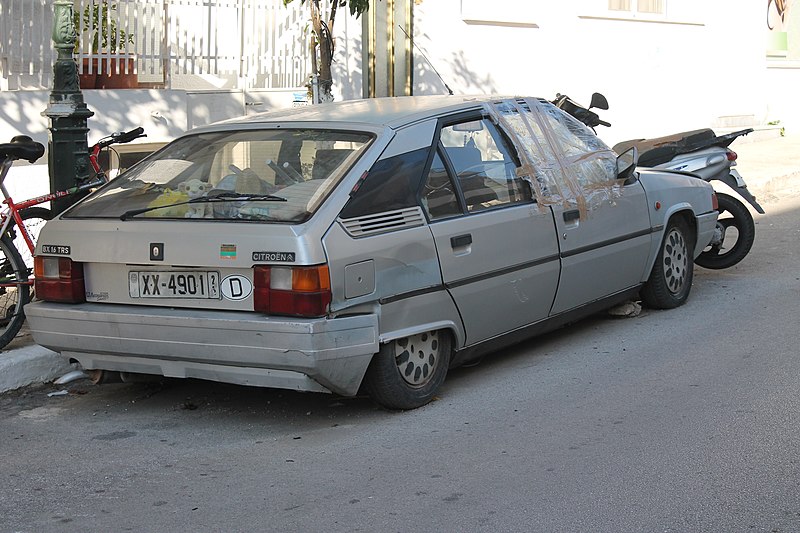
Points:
(659, 150)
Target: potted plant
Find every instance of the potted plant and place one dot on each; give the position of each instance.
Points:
(100, 29)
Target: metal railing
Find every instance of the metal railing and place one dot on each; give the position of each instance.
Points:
(239, 44)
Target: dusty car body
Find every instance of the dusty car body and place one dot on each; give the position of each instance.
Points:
(371, 243)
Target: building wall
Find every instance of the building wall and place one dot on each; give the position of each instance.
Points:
(703, 65)
(164, 114)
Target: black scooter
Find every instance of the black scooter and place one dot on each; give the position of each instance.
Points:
(703, 154)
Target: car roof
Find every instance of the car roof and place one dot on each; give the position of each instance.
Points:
(393, 112)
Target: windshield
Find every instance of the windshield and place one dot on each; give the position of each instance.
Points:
(279, 175)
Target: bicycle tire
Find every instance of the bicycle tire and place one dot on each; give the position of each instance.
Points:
(33, 218)
(14, 291)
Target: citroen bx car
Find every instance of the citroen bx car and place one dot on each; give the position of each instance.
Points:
(363, 245)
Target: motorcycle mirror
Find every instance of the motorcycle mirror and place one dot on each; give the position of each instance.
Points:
(599, 101)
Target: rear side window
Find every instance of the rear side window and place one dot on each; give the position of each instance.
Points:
(391, 184)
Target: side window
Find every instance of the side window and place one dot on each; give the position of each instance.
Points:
(484, 166)
(575, 141)
(391, 183)
(438, 193)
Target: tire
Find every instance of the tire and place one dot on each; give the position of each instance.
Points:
(732, 248)
(34, 218)
(406, 373)
(14, 291)
(670, 280)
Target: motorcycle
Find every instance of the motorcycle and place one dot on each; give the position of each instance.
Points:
(705, 155)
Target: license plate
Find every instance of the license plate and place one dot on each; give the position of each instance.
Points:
(174, 284)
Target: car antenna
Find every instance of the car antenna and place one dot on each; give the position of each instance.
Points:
(449, 90)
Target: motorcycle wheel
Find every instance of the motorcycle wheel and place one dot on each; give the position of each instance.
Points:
(733, 245)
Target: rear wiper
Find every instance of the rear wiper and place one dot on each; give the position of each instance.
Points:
(222, 197)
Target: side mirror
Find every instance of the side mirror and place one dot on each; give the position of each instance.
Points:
(599, 101)
(626, 163)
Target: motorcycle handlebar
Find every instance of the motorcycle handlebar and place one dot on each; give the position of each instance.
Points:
(122, 137)
(568, 105)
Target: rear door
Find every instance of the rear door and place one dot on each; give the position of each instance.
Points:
(497, 250)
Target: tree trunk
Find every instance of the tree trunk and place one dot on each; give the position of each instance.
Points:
(323, 32)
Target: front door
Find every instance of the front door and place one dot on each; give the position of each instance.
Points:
(605, 252)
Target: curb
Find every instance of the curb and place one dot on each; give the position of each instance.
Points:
(30, 364)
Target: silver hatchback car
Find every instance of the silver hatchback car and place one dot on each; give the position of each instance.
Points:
(362, 245)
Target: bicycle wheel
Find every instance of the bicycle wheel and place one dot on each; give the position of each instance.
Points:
(14, 291)
(33, 218)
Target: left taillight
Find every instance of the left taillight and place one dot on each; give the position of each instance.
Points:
(292, 291)
(58, 279)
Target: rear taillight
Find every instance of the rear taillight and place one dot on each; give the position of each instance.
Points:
(292, 291)
(714, 201)
(732, 155)
(58, 279)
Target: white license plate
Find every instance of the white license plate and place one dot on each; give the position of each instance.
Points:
(174, 284)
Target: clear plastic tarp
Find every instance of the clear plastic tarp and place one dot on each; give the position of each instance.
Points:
(563, 160)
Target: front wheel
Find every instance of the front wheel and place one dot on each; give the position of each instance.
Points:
(406, 373)
(670, 280)
(733, 236)
(14, 291)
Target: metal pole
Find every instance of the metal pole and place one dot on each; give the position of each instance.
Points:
(68, 153)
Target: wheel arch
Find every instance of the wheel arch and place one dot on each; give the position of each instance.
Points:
(683, 212)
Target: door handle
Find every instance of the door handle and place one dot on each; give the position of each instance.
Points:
(572, 214)
(460, 241)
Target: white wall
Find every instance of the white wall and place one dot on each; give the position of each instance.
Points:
(163, 114)
(702, 66)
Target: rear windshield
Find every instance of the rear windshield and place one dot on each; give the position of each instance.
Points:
(277, 175)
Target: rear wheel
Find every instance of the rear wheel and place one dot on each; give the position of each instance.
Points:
(406, 373)
(670, 280)
(733, 237)
(14, 291)
(34, 219)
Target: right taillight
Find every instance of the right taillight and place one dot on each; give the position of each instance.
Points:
(292, 291)
(58, 279)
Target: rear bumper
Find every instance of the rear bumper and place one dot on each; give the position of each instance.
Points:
(706, 224)
(325, 355)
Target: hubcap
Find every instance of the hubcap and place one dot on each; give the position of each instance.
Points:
(417, 356)
(676, 261)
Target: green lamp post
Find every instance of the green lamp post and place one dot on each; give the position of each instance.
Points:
(68, 157)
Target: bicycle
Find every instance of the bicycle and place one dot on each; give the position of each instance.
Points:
(21, 222)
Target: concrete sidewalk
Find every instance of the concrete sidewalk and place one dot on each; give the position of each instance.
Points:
(24, 362)
(771, 168)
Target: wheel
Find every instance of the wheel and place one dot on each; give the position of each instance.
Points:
(733, 236)
(14, 292)
(33, 218)
(671, 278)
(406, 373)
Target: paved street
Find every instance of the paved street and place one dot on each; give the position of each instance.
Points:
(682, 420)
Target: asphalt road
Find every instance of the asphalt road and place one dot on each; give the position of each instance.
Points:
(673, 421)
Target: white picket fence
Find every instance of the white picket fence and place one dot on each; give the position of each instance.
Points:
(238, 44)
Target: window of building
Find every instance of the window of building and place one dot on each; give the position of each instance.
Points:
(638, 6)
